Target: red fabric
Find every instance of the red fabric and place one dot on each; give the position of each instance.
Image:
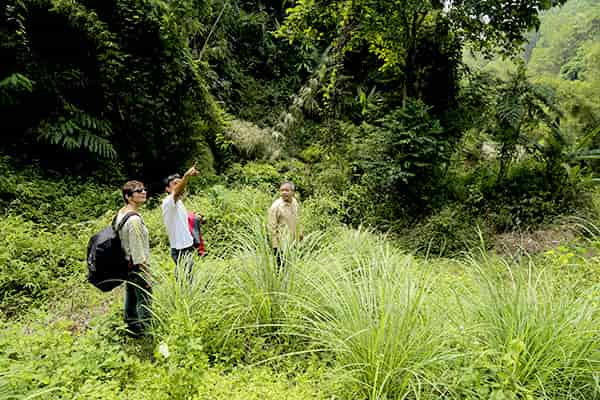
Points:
(196, 231)
(191, 220)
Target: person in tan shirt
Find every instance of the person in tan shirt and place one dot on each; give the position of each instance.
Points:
(283, 218)
(135, 244)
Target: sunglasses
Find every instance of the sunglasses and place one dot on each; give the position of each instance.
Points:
(140, 190)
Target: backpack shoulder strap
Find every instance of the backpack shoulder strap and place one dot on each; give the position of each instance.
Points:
(125, 218)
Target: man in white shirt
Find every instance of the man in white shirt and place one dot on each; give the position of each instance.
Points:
(175, 217)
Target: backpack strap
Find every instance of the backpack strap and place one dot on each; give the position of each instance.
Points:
(125, 218)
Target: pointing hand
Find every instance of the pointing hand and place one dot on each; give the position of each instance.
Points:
(192, 171)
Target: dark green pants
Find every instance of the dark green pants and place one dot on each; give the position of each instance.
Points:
(137, 302)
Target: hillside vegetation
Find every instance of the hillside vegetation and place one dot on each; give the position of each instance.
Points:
(352, 314)
(445, 157)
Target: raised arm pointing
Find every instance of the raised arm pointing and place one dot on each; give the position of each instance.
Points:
(180, 186)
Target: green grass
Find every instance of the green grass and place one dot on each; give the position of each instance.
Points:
(530, 335)
(376, 320)
(348, 315)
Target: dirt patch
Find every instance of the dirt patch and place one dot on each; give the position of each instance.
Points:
(81, 319)
(534, 242)
(78, 309)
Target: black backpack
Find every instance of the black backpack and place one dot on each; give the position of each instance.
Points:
(107, 264)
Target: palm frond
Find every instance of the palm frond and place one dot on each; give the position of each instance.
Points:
(588, 155)
(587, 138)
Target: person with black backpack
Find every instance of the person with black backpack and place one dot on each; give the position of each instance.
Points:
(135, 244)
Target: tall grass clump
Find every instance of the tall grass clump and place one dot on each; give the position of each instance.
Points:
(375, 316)
(530, 337)
(228, 212)
(252, 142)
(263, 289)
(248, 304)
(184, 322)
(237, 308)
(181, 297)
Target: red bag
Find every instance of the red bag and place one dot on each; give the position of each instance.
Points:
(194, 222)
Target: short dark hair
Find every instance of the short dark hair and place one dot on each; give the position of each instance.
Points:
(288, 183)
(169, 178)
(129, 187)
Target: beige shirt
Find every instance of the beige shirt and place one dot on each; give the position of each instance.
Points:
(134, 239)
(283, 218)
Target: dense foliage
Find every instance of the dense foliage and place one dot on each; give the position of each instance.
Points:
(455, 127)
(83, 81)
(381, 101)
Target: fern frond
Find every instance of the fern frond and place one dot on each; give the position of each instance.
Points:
(12, 85)
(78, 130)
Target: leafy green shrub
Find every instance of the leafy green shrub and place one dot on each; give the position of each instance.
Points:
(401, 157)
(264, 176)
(34, 261)
(447, 232)
(321, 213)
(267, 177)
(331, 176)
(313, 153)
(525, 198)
(53, 201)
(362, 206)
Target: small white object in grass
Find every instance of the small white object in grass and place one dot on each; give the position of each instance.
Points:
(163, 349)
